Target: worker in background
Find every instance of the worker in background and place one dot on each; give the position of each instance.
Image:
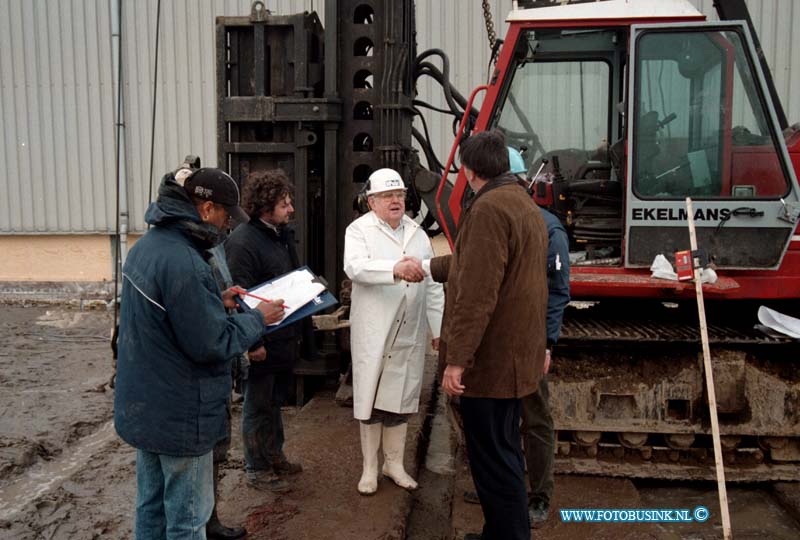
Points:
(215, 529)
(537, 423)
(260, 250)
(494, 334)
(175, 347)
(389, 324)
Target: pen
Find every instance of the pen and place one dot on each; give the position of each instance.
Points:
(238, 290)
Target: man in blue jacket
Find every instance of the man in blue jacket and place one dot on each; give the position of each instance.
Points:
(175, 345)
(537, 423)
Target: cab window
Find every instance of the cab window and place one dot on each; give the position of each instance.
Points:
(557, 105)
(700, 120)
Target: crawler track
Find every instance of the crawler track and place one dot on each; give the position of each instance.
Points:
(628, 396)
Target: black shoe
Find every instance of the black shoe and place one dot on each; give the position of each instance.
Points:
(538, 512)
(473, 536)
(471, 497)
(217, 531)
(285, 467)
(268, 481)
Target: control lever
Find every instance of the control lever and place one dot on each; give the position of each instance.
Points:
(670, 117)
(558, 177)
(535, 176)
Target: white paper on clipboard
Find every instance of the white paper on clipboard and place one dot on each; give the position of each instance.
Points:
(297, 289)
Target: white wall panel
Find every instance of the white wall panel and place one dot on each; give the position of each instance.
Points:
(186, 97)
(458, 28)
(57, 116)
(57, 105)
(57, 170)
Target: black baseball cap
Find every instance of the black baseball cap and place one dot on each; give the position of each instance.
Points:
(216, 186)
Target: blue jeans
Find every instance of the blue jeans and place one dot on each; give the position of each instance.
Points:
(262, 424)
(174, 496)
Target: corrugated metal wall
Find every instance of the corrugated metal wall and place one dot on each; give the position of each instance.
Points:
(186, 106)
(57, 105)
(57, 169)
(56, 160)
(458, 28)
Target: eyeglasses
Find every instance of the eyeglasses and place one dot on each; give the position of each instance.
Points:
(398, 195)
(229, 218)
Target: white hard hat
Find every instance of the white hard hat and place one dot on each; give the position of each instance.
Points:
(384, 180)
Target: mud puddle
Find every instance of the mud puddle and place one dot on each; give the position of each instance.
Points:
(46, 476)
(755, 514)
(63, 475)
(52, 364)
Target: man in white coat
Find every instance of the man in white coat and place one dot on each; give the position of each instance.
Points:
(394, 305)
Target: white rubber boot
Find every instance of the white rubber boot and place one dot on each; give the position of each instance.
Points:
(370, 445)
(394, 445)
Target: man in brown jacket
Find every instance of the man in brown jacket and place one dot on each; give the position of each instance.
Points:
(494, 334)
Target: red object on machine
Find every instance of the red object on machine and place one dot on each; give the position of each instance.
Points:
(683, 265)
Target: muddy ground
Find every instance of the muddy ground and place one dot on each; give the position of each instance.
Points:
(65, 475)
(53, 365)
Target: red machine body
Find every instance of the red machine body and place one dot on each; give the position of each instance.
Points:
(704, 127)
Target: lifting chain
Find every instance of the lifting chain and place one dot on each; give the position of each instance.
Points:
(487, 17)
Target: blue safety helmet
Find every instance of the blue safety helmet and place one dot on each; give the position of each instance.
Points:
(515, 161)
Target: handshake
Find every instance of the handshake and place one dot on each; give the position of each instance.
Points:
(409, 269)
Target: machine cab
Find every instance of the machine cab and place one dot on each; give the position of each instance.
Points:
(703, 127)
(622, 110)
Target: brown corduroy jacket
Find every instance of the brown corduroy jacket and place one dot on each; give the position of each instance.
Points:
(496, 301)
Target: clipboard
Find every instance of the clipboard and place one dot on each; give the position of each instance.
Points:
(321, 301)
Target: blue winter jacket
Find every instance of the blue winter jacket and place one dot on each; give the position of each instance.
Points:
(557, 275)
(176, 340)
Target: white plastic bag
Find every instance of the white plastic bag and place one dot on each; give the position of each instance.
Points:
(708, 275)
(779, 322)
(662, 269)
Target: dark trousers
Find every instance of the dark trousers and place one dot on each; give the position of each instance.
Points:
(491, 430)
(262, 423)
(388, 419)
(539, 440)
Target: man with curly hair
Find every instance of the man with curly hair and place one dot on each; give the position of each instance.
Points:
(258, 251)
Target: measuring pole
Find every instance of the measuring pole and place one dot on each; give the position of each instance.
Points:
(712, 396)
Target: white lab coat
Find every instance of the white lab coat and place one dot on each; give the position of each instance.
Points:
(389, 319)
